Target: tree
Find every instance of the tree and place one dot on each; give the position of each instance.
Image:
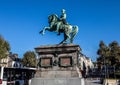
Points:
(109, 54)
(103, 53)
(29, 59)
(115, 52)
(4, 48)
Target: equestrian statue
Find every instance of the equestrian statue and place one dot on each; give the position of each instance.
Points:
(61, 26)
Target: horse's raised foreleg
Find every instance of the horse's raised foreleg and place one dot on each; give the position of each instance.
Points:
(43, 30)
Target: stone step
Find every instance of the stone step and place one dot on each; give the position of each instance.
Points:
(57, 81)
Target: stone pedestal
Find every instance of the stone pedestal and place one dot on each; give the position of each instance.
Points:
(57, 61)
(57, 65)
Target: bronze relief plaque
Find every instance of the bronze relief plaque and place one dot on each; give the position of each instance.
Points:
(65, 61)
(46, 62)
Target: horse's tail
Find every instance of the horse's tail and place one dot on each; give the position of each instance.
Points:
(74, 32)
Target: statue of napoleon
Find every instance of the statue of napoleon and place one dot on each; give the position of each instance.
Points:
(61, 26)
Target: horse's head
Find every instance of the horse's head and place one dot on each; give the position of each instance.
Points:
(52, 18)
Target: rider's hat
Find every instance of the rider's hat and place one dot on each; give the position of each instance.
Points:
(63, 10)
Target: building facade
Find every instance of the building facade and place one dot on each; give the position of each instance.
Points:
(11, 60)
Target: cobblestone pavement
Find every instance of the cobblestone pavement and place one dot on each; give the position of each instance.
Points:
(92, 82)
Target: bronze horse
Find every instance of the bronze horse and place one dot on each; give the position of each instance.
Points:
(56, 25)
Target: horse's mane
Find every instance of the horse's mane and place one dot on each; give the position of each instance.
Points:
(54, 15)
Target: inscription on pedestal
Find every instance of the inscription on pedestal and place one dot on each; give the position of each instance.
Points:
(65, 61)
(45, 62)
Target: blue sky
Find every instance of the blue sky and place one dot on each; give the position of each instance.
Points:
(21, 21)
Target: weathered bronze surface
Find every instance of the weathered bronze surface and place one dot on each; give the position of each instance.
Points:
(61, 26)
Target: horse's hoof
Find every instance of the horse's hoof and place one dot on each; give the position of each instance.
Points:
(41, 32)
